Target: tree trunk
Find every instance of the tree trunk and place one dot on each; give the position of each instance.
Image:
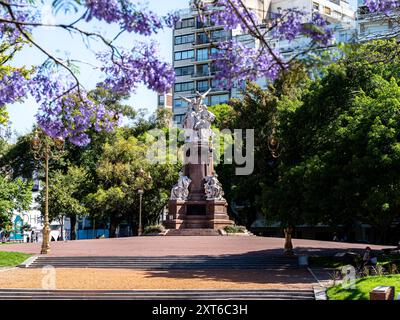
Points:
(72, 219)
(113, 226)
(62, 228)
(288, 241)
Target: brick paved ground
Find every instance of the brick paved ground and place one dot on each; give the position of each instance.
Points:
(168, 279)
(184, 246)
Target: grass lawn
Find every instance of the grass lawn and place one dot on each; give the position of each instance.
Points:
(12, 259)
(337, 263)
(363, 287)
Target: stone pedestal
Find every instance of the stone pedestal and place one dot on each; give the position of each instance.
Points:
(197, 212)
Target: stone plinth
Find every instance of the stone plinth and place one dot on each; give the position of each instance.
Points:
(190, 206)
(198, 214)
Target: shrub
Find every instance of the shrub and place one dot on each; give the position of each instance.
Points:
(154, 229)
(235, 229)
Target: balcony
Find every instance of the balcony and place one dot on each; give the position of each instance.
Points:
(202, 74)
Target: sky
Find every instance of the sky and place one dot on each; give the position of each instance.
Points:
(60, 42)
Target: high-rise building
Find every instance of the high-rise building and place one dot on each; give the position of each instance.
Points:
(165, 101)
(194, 42)
(375, 25)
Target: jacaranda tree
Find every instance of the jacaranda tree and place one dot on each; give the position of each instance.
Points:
(66, 109)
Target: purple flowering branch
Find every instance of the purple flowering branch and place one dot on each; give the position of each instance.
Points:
(236, 62)
(66, 109)
(386, 9)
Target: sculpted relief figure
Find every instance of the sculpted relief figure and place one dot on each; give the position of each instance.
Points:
(198, 119)
(180, 191)
(213, 188)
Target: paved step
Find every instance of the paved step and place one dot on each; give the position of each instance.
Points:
(193, 232)
(169, 262)
(256, 294)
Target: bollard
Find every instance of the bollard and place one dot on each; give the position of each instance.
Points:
(303, 261)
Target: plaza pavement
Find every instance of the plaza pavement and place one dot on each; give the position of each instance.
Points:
(125, 279)
(128, 279)
(184, 246)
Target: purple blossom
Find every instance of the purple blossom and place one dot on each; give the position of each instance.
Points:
(317, 29)
(141, 65)
(227, 15)
(288, 25)
(65, 108)
(70, 115)
(235, 61)
(13, 87)
(384, 6)
(129, 16)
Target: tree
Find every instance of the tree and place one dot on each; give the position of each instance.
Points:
(118, 176)
(15, 195)
(66, 193)
(341, 140)
(67, 110)
(258, 110)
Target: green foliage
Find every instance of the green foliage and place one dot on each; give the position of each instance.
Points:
(339, 143)
(15, 195)
(154, 229)
(224, 116)
(65, 194)
(235, 229)
(119, 179)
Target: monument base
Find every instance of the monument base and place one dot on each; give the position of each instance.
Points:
(198, 214)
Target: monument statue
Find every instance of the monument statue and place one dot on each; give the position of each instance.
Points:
(197, 199)
(213, 188)
(198, 119)
(180, 191)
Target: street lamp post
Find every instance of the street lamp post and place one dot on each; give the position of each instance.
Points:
(42, 146)
(140, 229)
(274, 147)
(143, 181)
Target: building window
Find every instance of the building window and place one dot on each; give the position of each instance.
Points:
(184, 86)
(202, 54)
(327, 10)
(179, 103)
(203, 85)
(202, 38)
(220, 99)
(161, 100)
(219, 35)
(214, 51)
(362, 28)
(316, 6)
(188, 38)
(343, 37)
(184, 71)
(184, 55)
(185, 23)
(204, 22)
(219, 84)
(178, 119)
(202, 70)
